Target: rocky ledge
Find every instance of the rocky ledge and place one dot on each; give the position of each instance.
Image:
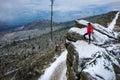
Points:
(98, 60)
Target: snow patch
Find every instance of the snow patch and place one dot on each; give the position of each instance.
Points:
(100, 71)
(50, 70)
(112, 24)
(81, 31)
(84, 50)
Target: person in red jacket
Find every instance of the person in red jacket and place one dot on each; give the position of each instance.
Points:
(89, 31)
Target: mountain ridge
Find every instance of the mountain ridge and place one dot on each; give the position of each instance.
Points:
(103, 19)
(35, 54)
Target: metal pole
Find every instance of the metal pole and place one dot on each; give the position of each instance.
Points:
(52, 1)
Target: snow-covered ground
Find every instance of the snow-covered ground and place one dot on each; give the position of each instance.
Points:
(84, 49)
(112, 24)
(98, 69)
(57, 70)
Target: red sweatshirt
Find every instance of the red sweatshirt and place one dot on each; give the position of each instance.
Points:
(89, 29)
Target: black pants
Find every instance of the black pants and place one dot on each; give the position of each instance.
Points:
(88, 35)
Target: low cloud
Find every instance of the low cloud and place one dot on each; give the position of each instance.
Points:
(13, 9)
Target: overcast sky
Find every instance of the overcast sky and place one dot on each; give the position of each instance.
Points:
(13, 9)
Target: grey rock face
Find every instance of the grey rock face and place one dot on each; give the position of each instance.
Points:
(72, 62)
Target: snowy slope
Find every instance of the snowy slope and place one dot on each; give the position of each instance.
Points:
(112, 24)
(51, 71)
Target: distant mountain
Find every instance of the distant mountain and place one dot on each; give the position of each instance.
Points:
(32, 29)
(5, 27)
(43, 26)
(103, 19)
(41, 21)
